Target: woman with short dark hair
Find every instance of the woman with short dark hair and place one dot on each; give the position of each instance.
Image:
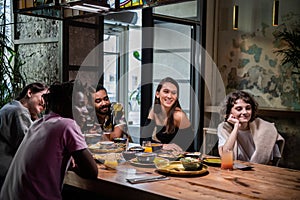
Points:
(249, 137)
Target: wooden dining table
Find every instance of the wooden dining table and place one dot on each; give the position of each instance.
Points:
(261, 182)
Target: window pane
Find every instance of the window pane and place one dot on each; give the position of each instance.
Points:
(186, 10)
(110, 65)
(134, 76)
(172, 54)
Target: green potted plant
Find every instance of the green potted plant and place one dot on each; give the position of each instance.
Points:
(289, 48)
(11, 78)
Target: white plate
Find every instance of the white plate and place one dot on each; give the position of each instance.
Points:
(106, 143)
(134, 162)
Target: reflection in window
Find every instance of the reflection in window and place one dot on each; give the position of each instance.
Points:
(111, 78)
(130, 3)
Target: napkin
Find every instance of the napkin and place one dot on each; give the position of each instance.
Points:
(147, 179)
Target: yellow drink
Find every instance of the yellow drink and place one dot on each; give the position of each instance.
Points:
(111, 160)
(147, 149)
(147, 146)
(111, 163)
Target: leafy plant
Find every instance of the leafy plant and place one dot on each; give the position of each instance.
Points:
(136, 95)
(11, 79)
(291, 48)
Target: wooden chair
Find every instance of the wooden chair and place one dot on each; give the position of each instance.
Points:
(280, 144)
(205, 132)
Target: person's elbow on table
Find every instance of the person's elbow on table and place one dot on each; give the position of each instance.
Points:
(86, 166)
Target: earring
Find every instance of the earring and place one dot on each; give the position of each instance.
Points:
(156, 101)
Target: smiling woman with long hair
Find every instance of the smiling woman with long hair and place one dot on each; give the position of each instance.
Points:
(167, 123)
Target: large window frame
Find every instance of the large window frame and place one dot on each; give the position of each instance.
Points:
(197, 83)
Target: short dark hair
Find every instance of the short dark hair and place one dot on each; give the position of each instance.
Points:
(231, 99)
(59, 98)
(100, 87)
(34, 87)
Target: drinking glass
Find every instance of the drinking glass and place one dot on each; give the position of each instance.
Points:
(111, 160)
(106, 136)
(227, 160)
(147, 146)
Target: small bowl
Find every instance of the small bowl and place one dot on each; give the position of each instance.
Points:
(156, 146)
(106, 144)
(167, 155)
(120, 140)
(137, 149)
(145, 157)
(92, 138)
(191, 164)
(161, 162)
(128, 155)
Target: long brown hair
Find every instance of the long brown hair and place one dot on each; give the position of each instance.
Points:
(170, 126)
(34, 87)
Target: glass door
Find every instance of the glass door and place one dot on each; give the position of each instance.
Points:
(172, 57)
(176, 54)
(112, 43)
(122, 69)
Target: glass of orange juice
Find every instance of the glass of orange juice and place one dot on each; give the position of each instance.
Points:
(227, 160)
(147, 146)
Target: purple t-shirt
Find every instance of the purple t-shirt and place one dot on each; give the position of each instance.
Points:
(39, 166)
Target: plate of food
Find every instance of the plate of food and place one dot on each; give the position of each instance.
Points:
(167, 155)
(176, 168)
(136, 163)
(101, 157)
(213, 161)
(106, 147)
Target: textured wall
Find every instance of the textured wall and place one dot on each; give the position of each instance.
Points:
(289, 129)
(82, 41)
(39, 48)
(247, 61)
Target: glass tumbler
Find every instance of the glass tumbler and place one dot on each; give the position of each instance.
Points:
(111, 160)
(147, 146)
(227, 160)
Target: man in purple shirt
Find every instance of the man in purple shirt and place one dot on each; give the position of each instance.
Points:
(39, 166)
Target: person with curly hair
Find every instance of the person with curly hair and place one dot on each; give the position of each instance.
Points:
(248, 136)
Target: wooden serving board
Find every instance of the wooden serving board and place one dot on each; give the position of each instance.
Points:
(176, 168)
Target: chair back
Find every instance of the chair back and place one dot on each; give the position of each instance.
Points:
(206, 131)
(280, 142)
